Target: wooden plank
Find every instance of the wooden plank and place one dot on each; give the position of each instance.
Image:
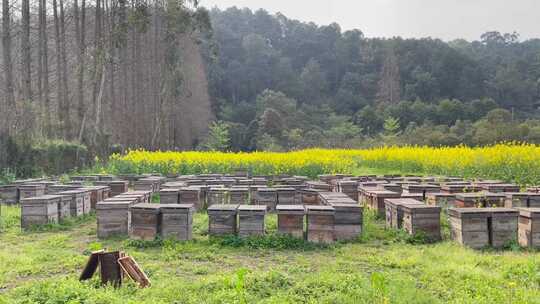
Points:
(91, 266)
(134, 271)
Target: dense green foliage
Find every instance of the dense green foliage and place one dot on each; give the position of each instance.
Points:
(283, 84)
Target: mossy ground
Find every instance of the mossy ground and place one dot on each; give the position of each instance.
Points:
(380, 267)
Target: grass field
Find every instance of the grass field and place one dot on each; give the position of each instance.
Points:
(380, 267)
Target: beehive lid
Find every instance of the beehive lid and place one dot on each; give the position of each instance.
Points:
(253, 208)
(238, 189)
(266, 189)
(121, 199)
(502, 211)
(346, 207)
(220, 207)
(384, 193)
(72, 192)
(147, 206)
(284, 189)
(529, 212)
(171, 207)
(469, 212)
(420, 208)
(440, 194)
(118, 182)
(290, 208)
(313, 209)
(113, 205)
(41, 198)
(32, 186)
(170, 190)
(401, 201)
(522, 194)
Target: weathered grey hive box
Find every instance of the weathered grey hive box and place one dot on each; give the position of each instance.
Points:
(144, 196)
(31, 190)
(479, 200)
(76, 207)
(192, 195)
(415, 196)
(454, 188)
(39, 210)
(504, 226)
(392, 187)
(498, 188)
(222, 219)
(97, 194)
(320, 224)
(422, 219)
(285, 195)
(177, 221)
(238, 195)
(251, 220)
(422, 188)
(522, 200)
(217, 196)
(348, 221)
(54, 189)
(169, 196)
(469, 226)
(349, 187)
(291, 220)
(118, 187)
(375, 200)
(64, 207)
(394, 211)
(310, 196)
(441, 199)
(145, 184)
(266, 197)
(87, 200)
(319, 186)
(529, 227)
(113, 218)
(9, 194)
(145, 221)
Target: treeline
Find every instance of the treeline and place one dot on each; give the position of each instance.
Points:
(107, 74)
(283, 84)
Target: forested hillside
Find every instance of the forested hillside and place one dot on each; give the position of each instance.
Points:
(284, 84)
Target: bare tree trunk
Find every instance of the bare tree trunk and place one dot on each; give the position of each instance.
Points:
(6, 52)
(45, 64)
(59, 78)
(65, 89)
(80, 28)
(98, 62)
(25, 51)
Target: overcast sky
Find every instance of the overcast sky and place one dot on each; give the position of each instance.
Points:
(446, 19)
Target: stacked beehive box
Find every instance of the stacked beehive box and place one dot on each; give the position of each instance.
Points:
(31, 190)
(394, 211)
(9, 194)
(286, 195)
(320, 224)
(98, 193)
(422, 219)
(169, 196)
(522, 200)
(441, 199)
(375, 200)
(479, 199)
(422, 188)
(319, 186)
(529, 227)
(348, 221)
(217, 196)
(238, 195)
(192, 195)
(87, 199)
(113, 218)
(76, 203)
(266, 197)
(145, 221)
(309, 197)
(391, 187)
(481, 227)
(118, 187)
(291, 220)
(177, 221)
(64, 206)
(39, 210)
(145, 184)
(349, 187)
(251, 220)
(222, 219)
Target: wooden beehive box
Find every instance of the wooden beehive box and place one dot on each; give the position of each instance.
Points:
(349, 187)
(251, 220)
(309, 196)
(31, 190)
(9, 194)
(319, 186)
(144, 196)
(320, 224)
(469, 226)
(145, 221)
(479, 200)
(76, 207)
(498, 188)
(441, 199)
(177, 221)
(266, 197)
(348, 221)
(222, 219)
(504, 226)
(39, 210)
(529, 227)
(192, 195)
(392, 187)
(238, 195)
(522, 200)
(96, 195)
(169, 196)
(394, 211)
(422, 219)
(216, 196)
(144, 184)
(64, 206)
(291, 220)
(113, 218)
(87, 199)
(454, 188)
(375, 200)
(422, 188)
(118, 187)
(286, 195)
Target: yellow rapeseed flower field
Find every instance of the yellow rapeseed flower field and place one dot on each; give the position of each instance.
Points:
(510, 161)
